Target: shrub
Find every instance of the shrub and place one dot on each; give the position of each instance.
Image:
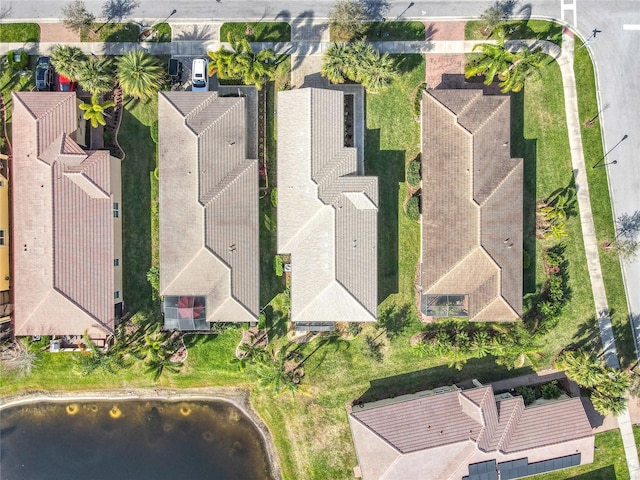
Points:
(262, 321)
(526, 259)
(374, 348)
(528, 394)
(413, 173)
(550, 390)
(274, 197)
(412, 208)
(278, 265)
(20, 64)
(153, 277)
(417, 101)
(354, 328)
(154, 132)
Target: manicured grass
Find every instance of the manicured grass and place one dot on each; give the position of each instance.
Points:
(270, 284)
(139, 192)
(392, 140)
(539, 135)
(519, 29)
(163, 32)
(111, 32)
(608, 463)
(601, 205)
(394, 31)
(19, 32)
(257, 31)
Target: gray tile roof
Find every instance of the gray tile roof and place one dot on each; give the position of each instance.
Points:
(444, 432)
(63, 232)
(209, 238)
(472, 214)
(327, 214)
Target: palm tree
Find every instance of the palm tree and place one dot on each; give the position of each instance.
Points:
(380, 72)
(243, 63)
(582, 368)
(333, 63)
(68, 60)
(605, 404)
(511, 68)
(140, 75)
(96, 76)
(95, 111)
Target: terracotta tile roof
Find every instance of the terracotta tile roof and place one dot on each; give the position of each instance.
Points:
(438, 434)
(472, 210)
(63, 243)
(327, 213)
(209, 237)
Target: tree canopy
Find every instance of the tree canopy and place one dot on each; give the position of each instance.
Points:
(347, 19)
(140, 75)
(75, 16)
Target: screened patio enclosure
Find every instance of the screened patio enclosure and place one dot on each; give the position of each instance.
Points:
(185, 312)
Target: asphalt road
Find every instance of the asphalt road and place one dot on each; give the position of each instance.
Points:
(615, 51)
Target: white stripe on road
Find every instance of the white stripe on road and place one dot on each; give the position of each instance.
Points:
(627, 26)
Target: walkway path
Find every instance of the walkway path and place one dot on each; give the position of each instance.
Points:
(307, 45)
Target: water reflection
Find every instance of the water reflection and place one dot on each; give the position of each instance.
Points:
(130, 440)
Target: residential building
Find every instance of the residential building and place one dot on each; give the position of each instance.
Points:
(209, 231)
(327, 213)
(453, 434)
(66, 232)
(5, 272)
(472, 208)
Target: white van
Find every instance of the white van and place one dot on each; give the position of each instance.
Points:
(199, 77)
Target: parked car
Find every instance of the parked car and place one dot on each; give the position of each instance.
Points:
(66, 85)
(175, 71)
(44, 74)
(199, 77)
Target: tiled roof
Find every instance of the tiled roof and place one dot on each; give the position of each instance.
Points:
(472, 212)
(63, 242)
(327, 212)
(209, 237)
(448, 429)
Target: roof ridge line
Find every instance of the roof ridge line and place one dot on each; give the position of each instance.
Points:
(228, 180)
(501, 182)
(517, 411)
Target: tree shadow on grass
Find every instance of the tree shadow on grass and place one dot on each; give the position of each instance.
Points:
(484, 369)
(135, 139)
(526, 148)
(388, 166)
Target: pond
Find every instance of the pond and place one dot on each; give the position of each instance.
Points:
(123, 439)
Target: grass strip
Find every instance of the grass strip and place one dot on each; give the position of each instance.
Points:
(19, 32)
(256, 31)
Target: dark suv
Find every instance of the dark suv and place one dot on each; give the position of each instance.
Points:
(44, 74)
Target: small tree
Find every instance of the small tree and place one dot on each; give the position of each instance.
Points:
(95, 76)
(95, 111)
(140, 75)
(68, 61)
(627, 249)
(493, 16)
(75, 16)
(347, 19)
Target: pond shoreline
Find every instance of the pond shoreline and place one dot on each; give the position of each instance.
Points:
(238, 397)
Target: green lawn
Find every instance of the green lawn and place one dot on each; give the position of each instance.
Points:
(163, 32)
(539, 135)
(19, 32)
(139, 193)
(519, 29)
(394, 31)
(257, 31)
(111, 32)
(601, 205)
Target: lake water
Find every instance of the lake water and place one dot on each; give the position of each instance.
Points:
(136, 440)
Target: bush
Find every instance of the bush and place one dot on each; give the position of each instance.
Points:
(413, 173)
(528, 394)
(274, 197)
(262, 321)
(526, 259)
(154, 132)
(20, 64)
(412, 208)
(550, 390)
(278, 265)
(417, 101)
(354, 328)
(374, 348)
(153, 277)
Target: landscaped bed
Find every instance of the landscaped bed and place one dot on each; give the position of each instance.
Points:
(518, 29)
